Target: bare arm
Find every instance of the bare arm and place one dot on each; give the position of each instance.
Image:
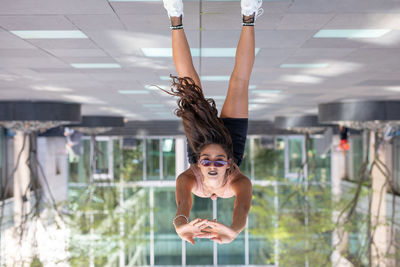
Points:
(183, 196)
(243, 190)
(182, 56)
(186, 231)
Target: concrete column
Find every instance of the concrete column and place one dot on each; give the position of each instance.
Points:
(338, 172)
(180, 156)
(379, 188)
(21, 177)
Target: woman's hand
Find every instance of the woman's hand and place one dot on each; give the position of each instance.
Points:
(190, 230)
(218, 232)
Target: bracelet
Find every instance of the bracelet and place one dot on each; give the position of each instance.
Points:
(180, 215)
(178, 27)
(248, 24)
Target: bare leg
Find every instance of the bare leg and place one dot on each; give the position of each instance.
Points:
(181, 53)
(237, 98)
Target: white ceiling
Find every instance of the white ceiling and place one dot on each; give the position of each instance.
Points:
(40, 68)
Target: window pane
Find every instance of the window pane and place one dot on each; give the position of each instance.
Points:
(1, 158)
(356, 156)
(245, 166)
(397, 241)
(116, 160)
(202, 252)
(102, 152)
(153, 159)
(168, 150)
(79, 171)
(232, 253)
(2, 179)
(104, 198)
(359, 239)
(261, 224)
(268, 161)
(322, 164)
(295, 155)
(93, 225)
(396, 171)
(167, 244)
(132, 159)
(136, 222)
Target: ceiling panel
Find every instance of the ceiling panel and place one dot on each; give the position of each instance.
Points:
(302, 21)
(31, 62)
(62, 43)
(10, 41)
(97, 22)
(117, 31)
(364, 21)
(77, 52)
(38, 22)
(46, 7)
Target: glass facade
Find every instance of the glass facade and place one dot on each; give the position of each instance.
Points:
(396, 163)
(295, 148)
(320, 164)
(355, 157)
(6, 187)
(2, 174)
(153, 159)
(289, 223)
(133, 159)
(79, 170)
(168, 159)
(269, 158)
(167, 244)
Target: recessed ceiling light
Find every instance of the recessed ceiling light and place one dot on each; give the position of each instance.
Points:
(256, 106)
(323, 65)
(51, 88)
(131, 115)
(84, 99)
(265, 100)
(153, 105)
(96, 65)
(266, 91)
(50, 34)
(133, 92)
(205, 52)
(154, 87)
(393, 88)
(353, 33)
(301, 79)
(115, 110)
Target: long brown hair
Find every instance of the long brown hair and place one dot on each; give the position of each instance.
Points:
(199, 117)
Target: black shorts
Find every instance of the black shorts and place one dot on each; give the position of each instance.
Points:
(238, 130)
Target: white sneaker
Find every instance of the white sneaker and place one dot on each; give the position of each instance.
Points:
(174, 7)
(249, 7)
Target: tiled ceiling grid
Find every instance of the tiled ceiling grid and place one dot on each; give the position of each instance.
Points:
(343, 68)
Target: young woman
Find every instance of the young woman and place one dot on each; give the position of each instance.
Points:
(216, 144)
